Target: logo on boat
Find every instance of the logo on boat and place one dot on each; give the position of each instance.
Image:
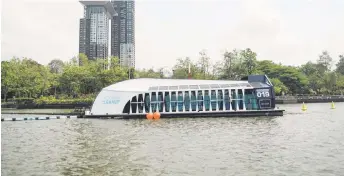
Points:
(111, 100)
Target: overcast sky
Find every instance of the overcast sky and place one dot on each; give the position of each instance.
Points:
(288, 31)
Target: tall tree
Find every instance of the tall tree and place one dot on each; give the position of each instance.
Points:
(340, 65)
(204, 63)
(56, 66)
(180, 69)
(83, 60)
(229, 58)
(324, 62)
(9, 76)
(249, 60)
(314, 75)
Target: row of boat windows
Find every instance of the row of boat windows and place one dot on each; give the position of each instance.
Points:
(181, 101)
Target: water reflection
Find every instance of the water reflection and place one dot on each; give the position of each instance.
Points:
(98, 151)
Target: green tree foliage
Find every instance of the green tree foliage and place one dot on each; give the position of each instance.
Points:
(80, 76)
(83, 60)
(56, 66)
(324, 62)
(279, 87)
(340, 65)
(249, 60)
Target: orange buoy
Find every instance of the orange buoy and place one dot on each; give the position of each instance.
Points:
(149, 116)
(157, 115)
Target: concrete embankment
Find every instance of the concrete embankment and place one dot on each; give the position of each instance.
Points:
(309, 99)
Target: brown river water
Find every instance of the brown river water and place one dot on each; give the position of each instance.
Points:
(299, 143)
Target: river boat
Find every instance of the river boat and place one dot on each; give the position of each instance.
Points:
(144, 97)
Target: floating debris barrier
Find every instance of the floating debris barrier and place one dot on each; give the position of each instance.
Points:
(37, 118)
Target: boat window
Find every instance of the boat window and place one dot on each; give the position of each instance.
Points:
(233, 97)
(193, 100)
(187, 100)
(161, 101)
(206, 100)
(173, 101)
(154, 102)
(134, 104)
(227, 100)
(180, 101)
(200, 100)
(167, 101)
(251, 102)
(140, 103)
(241, 102)
(220, 99)
(147, 102)
(213, 100)
(126, 108)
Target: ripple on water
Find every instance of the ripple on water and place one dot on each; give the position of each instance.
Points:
(300, 143)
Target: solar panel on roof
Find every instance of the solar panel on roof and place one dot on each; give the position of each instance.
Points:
(173, 87)
(224, 85)
(154, 88)
(214, 86)
(163, 88)
(193, 86)
(244, 84)
(204, 86)
(184, 87)
(233, 85)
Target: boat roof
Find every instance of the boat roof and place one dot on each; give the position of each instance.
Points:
(151, 84)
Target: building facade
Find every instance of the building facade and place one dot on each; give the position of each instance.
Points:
(94, 29)
(123, 32)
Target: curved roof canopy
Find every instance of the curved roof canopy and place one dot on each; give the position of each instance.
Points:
(150, 84)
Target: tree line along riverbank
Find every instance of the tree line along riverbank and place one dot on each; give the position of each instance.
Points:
(79, 79)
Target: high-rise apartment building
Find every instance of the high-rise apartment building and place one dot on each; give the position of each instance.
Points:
(123, 32)
(94, 28)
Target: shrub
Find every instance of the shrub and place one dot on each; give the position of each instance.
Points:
(53, 100)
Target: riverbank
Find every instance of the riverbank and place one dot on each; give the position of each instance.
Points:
(309, 99)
